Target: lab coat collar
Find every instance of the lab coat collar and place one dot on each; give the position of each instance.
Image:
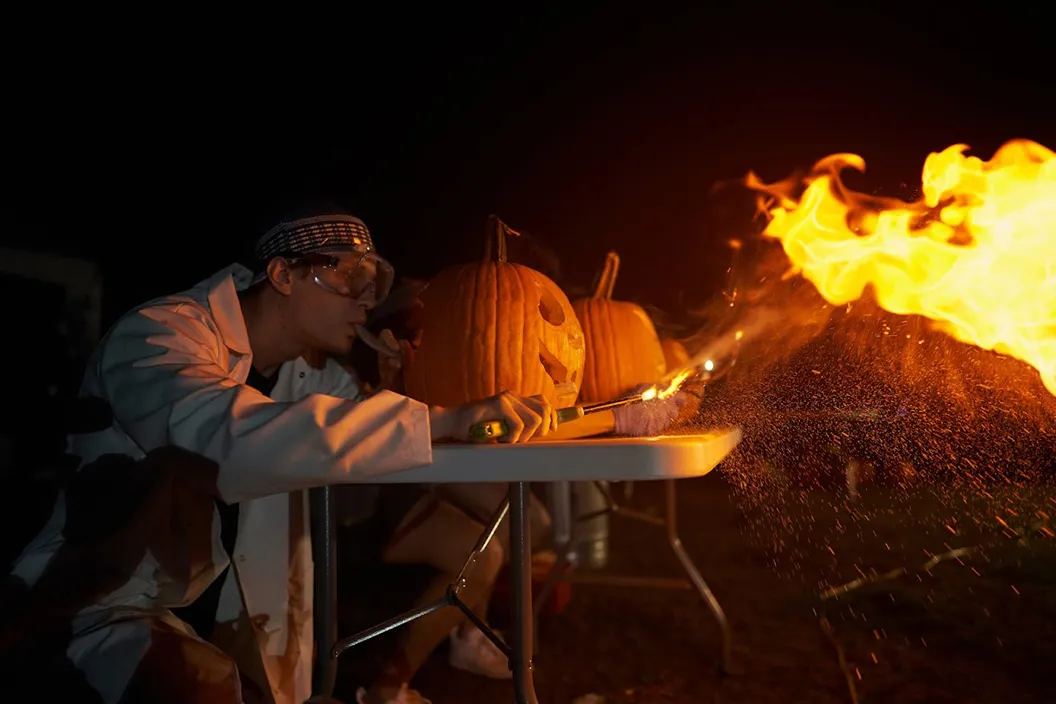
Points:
(222, 292)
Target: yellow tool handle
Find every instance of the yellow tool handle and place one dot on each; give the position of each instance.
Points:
(487, 430)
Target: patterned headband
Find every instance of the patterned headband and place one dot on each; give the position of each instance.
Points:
(322, 233)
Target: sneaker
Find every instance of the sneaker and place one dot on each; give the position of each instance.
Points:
(404, 696)
(472, 651)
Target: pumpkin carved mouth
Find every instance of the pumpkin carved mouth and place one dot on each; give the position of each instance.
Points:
(554, 369)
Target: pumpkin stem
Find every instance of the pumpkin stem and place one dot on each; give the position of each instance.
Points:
(496, 239)
(607, 281)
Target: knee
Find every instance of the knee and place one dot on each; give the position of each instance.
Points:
(479, 579)
(190, 668)
(490, 561)
(155, 660)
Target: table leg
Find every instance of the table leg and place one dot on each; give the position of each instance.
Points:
(521, 573)
(324, 553)
(562, 571)
(694, 574)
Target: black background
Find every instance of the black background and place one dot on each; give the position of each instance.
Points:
(152, 144)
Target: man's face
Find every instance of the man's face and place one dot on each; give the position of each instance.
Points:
(329, 296)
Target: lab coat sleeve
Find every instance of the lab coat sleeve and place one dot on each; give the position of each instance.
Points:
(163, 378)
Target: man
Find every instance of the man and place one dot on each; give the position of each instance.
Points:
(188, 378)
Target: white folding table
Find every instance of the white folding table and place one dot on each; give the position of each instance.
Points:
(594, 459)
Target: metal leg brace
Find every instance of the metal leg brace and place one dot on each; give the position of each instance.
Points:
(563, 567)
(519, 652)
(450, 598)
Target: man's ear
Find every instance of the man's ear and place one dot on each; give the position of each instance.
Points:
(280, 276)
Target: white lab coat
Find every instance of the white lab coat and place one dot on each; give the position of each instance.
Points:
(173, 372)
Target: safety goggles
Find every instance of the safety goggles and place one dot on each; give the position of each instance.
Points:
(349, 281)
(316, 241)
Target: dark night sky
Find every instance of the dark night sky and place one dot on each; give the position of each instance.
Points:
(588, 129)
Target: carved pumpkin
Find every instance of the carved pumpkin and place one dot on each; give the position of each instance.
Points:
(623, 349)
(495, 326)
(675, 354)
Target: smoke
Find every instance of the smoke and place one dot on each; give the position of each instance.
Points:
(868, 437)
(802, 377)
(763, 315)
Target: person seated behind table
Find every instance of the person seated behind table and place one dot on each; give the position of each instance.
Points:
(419, 527)
(217, 370)
(407, 524)
(399, 323)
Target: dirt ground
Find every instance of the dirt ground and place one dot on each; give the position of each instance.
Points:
(981, 628)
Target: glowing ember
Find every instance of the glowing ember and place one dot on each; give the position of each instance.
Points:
(976, 254)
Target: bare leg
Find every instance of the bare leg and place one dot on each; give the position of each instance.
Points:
(435, 533)
(481, 501)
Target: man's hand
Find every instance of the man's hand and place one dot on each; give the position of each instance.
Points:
(526, 417)
(390, 368)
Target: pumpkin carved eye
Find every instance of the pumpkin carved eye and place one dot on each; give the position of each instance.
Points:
(550, 309)
(492, 326)
(552, 313)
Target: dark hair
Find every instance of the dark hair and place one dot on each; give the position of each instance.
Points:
(294, 208)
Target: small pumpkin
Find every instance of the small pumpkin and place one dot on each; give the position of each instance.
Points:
(494, 326)
(623, 349)
(675, 353)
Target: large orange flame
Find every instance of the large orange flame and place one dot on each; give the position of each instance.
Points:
(976, 254)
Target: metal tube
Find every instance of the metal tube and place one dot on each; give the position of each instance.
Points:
(521, 574)
(324, 554)
(450, 599)
(481, 626)
(386, 626)
(592, 511)
(481, 546)
(560, 500)
(609, 405)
